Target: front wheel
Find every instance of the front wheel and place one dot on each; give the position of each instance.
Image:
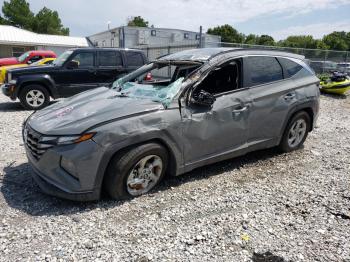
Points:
(34, 97)
(296, 132)
(137, 171)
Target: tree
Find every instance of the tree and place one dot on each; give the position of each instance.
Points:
(48, 22)
(227, 33)
(137, 21)
(265, 40)
(300, 41)
(337, 41)
(17, 13)
(251, 39)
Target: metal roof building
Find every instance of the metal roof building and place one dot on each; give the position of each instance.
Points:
(15, 41)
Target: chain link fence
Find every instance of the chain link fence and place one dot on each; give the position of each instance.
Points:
(322, 61)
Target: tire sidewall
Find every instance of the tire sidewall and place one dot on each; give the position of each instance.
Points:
(28, 88)
(122, 164)
(284, 146)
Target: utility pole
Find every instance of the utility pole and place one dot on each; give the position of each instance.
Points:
(200, 36)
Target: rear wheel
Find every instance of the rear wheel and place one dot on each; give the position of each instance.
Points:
(136, 172)
(34, 97)
(295, 132)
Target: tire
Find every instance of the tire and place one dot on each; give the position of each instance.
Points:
(119, 181)
(34, 97)
(300, 123)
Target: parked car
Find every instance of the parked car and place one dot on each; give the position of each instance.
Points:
(74, 71)
(321, 67)
(3, 69)
(28, 57)
(216, 104)
(344, 67)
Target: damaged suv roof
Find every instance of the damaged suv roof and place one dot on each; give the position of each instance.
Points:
(205, 54)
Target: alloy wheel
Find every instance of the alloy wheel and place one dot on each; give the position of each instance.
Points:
(144, 175)
(35, 98)
(296, 133)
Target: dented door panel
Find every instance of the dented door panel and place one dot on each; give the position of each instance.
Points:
(270, 106)
(220, 130)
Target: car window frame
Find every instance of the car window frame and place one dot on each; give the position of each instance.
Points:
(206, 73)
(104, 66)
(268, 83)
(126, 60)
(79, 52)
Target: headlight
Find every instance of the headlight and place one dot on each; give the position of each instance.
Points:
(12, 82)
(66, 140)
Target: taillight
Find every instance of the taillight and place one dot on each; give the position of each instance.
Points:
(148, 77)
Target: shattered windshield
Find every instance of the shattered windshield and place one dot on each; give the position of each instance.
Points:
(159, 82)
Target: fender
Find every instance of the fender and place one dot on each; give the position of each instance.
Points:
(308, 105)
(43, 79)
(175, 155)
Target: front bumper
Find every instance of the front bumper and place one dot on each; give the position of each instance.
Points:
(50, 189)
(54, 180)
(9, 90)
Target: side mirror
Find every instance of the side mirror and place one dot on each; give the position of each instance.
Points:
(29, 62)
(72, 64)
(203, 98)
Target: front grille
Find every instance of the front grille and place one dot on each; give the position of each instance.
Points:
(32, 140)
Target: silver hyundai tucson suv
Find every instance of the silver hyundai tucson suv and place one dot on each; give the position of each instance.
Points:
(177, 113)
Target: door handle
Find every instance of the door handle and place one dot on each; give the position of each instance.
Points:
(92, 71)
(239, 110)
(289, 96)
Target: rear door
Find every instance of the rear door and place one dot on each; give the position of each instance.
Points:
(272, 97)
(72, 81)
(109, 66)
(133, 60)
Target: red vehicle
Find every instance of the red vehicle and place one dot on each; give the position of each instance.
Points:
(28, 57)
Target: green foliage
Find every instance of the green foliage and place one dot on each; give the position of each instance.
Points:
(338, 40)
(334, 41)
(227, 33)
(137, 21)
(299, 41)
(48, 22)
(251, 39)
(265, 40)
(18, 13)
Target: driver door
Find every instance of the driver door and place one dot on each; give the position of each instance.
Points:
(217, 132)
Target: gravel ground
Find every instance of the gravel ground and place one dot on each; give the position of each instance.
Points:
(264, 206)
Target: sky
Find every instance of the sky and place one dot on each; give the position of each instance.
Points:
(278, 18)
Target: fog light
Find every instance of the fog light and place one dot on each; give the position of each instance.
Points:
(69, 167)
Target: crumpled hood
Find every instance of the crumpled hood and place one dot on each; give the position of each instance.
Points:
(8, 61)
(83, 111)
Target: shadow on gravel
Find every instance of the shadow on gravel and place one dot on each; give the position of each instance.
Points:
(11, 107)
(14, 106)
(267, 257)
(21, 192)
(334, 96)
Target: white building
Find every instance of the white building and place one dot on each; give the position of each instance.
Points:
(134, 37)
(15, 41)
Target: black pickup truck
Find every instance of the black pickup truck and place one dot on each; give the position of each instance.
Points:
(74, 71)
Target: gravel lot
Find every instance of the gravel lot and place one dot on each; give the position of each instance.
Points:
(264, 206)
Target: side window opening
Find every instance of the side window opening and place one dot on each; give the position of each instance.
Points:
(223, 79)
(259, 70)
(293, 69)
(109, 58)
(134, 58)
(85, 59)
